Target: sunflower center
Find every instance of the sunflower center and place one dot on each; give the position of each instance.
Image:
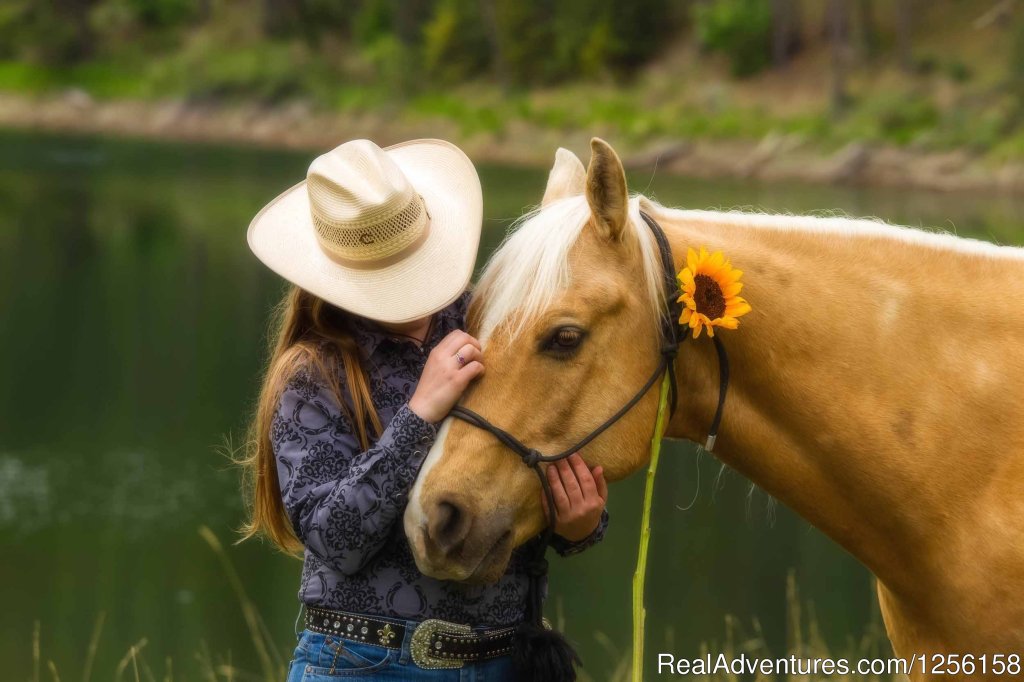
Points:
(708, 297)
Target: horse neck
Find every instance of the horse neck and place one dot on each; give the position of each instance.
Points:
(870, 384)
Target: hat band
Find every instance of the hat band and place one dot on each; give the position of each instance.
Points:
(373, 243)
(378, 263)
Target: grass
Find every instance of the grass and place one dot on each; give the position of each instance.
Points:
(803, 635)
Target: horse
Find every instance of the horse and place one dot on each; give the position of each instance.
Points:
(877, 389)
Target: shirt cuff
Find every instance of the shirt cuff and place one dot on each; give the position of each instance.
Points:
(568, 547)
(411, 440)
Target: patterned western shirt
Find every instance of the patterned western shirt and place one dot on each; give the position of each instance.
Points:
(346, 503)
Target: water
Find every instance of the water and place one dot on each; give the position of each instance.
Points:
(131, 334)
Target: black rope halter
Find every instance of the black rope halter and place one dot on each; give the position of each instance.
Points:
(670, 340)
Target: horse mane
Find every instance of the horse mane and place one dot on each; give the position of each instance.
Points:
(531, 264)
(839, 224)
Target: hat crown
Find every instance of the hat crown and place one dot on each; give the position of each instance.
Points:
(363, 206)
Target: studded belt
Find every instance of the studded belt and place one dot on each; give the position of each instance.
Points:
(434, 644)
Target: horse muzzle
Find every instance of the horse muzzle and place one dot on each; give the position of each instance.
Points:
(451, 541)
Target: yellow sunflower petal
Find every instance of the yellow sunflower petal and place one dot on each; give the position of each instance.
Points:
(734, 275)
(737, 307)
(702, 258)
(728, 322)
(691, 260)
(685, 317)
(730, 290)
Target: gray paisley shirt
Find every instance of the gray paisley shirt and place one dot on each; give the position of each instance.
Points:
(346, 504)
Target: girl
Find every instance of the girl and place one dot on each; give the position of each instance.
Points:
(380, 245)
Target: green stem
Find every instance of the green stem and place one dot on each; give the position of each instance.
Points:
(645, 535)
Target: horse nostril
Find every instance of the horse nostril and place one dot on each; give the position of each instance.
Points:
(448, 525)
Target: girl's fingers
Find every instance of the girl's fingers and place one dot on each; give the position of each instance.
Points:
(472, 369)
(459, 338)
(468, 353)
(455, 340)
(602, 485)
(571, 484)
(583, 475)
(557, 490)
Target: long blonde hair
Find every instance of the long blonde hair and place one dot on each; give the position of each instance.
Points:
(307, 333)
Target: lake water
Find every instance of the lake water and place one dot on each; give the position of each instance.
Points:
(132, 325)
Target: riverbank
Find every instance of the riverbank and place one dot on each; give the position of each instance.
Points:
(775, 157)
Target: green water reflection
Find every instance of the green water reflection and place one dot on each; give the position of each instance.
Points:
(131, 332)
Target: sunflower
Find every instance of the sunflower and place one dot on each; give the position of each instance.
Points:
(710, 288)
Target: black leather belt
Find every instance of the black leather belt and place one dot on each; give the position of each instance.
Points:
(435, 643)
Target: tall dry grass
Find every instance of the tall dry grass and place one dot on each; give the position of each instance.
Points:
(803, 636)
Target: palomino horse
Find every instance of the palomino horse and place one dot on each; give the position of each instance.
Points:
(877, 389)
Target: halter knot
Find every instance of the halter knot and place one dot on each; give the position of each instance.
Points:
(532, 458)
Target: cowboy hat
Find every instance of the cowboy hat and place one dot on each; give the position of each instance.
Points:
(388, 234)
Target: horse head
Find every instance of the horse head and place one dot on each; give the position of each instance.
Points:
(567, 311)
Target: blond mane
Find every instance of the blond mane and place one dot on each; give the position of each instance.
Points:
(523, 275)
(839, 225)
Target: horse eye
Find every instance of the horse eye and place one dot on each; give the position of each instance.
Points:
(565, 340)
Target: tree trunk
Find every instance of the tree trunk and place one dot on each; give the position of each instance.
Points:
(868, 27)
(904, 28)
(490, 16)
(786, 30)
(839, 38)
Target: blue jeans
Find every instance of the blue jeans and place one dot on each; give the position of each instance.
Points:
(329, 658)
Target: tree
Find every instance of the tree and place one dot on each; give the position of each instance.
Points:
(838, 21)
(904, 27)
(786, 30)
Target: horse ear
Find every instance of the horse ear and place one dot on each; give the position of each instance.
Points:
(567, 177)
(606, 190)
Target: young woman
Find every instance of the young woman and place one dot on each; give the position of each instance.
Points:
(380, 245)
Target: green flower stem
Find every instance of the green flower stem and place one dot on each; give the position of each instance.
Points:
(640, 575)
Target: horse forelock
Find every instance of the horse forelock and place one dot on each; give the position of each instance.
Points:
(531, 266)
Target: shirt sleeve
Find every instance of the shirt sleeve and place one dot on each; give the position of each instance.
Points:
(343, 501)
(568, 548)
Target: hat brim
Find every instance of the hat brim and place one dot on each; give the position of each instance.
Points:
(433, 275)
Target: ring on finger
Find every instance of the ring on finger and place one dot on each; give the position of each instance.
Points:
(462, 360)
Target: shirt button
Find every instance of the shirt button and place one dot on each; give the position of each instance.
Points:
(424, 440)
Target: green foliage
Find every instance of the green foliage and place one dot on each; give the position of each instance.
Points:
(899, 118)
(741, 29)
(958, 71)
(1015, 66)
(374, 21)
(455, 46)
(163, 12)
(44, 32)
(269, 72)
(526, 38)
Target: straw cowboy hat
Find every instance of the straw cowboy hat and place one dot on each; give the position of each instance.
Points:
(388, 234)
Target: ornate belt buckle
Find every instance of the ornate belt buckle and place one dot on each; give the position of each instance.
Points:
(425, 647)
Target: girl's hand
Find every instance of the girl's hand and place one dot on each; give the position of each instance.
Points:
(580, 496)
(444, 377)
